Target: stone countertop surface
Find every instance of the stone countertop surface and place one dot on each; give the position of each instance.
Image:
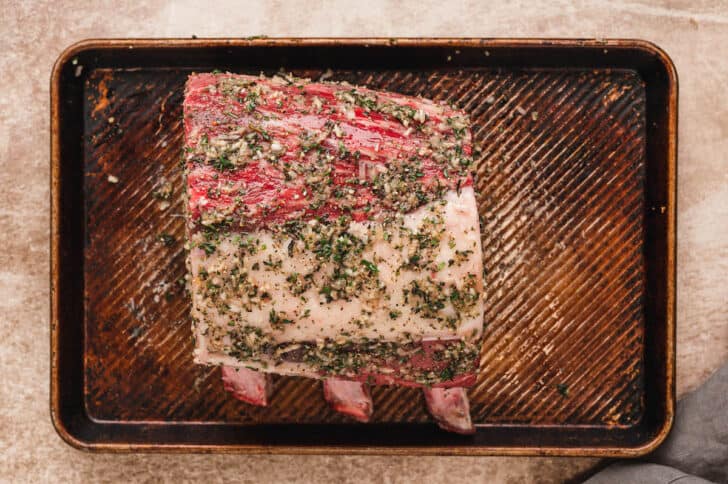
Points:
(694, 33)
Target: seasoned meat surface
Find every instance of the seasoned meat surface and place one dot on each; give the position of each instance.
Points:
(333, 232)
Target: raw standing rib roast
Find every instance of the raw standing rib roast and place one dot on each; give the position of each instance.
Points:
(333, 234)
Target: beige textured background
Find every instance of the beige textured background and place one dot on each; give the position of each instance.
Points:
(33, 33)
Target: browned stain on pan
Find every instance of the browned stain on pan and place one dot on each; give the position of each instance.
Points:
(101, 98)
(562, 186)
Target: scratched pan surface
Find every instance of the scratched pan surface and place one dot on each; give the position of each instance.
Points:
(575, 186)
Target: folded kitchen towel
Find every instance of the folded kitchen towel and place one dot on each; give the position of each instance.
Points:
(695, 450)
(643, 473)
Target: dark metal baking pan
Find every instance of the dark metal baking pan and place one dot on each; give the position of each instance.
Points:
(576, 187)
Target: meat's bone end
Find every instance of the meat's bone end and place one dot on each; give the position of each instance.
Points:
(450, 408)
(351, 398)
(246, 385)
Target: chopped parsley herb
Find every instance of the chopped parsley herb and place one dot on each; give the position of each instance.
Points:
(251, 101)
(458, 127)
(276, 320)
(343, 152)
(208, 247)
(293, 277)
(563, 389)
(447, 374)
(370, 266)
(326, 291)
(323, 248)
(223, 163)
(166, 239)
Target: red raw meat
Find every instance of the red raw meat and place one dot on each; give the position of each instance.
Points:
(247, 385)
(451, 409)
(374, 139)
(349, 397)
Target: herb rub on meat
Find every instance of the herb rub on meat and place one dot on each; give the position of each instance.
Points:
(333, 234)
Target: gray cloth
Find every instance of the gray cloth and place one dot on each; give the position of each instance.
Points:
(643, 473)
(695, 450)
